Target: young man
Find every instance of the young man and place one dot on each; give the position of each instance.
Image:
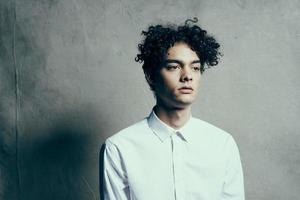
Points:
(170, 154)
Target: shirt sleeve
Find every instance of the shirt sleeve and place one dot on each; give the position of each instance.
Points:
(233, 187)
(115, 186)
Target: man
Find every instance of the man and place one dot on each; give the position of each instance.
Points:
(170, 154)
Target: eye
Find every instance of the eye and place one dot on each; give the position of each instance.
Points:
(196, 68)
(172, 67)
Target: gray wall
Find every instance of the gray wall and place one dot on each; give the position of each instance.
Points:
(68, 80)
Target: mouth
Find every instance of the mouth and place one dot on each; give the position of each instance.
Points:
(186, 90)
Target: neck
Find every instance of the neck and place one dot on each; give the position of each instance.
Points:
(174, 117)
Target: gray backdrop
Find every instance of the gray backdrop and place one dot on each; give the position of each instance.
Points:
(68, 80)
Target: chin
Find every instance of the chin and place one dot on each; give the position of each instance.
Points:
(182, 105)
(185, 102)
(180, 101)
(186, 99)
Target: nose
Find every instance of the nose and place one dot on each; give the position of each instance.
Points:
(186, 75)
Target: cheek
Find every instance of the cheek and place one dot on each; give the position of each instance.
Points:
(169, 84)
(168, 81)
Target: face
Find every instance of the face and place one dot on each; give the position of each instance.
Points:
(177, 82)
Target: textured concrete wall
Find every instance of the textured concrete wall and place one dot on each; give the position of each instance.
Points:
(68, 80)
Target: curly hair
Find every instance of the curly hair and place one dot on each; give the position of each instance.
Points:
(158, 39)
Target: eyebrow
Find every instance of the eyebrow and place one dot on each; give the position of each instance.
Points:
(179, 62)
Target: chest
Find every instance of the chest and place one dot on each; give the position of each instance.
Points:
(175, 167)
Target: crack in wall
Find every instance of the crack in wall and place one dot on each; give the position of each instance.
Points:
(17, 101)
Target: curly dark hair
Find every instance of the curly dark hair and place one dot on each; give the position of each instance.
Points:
(159, 38)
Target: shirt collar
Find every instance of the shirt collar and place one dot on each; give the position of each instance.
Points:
(164, 131)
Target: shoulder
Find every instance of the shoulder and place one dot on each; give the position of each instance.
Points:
(130, 133)
(217, 133)
(210, 134)
(209, 129)
(213, 137)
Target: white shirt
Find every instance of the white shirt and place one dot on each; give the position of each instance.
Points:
(151, 161)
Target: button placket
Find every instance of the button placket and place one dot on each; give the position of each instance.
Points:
(173, 165)
(177, 165)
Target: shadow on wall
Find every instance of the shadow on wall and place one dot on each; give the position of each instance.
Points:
(57, 162)
(57, 141)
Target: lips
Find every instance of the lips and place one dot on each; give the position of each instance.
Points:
(186, 90)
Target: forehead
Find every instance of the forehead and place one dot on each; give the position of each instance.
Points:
(181, 51)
